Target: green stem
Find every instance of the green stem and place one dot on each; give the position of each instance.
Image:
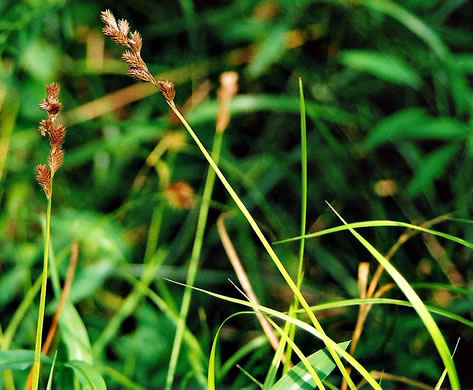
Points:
(295, 303)
(42, 299)
(265, 243)
(194, 261)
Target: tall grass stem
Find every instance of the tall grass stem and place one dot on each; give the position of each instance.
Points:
(42, 299)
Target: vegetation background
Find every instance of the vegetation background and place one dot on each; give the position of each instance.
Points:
(389, 105)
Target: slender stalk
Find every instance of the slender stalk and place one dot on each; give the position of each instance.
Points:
(194, 261)
(42, 299)
(295, 302)
(264, 241)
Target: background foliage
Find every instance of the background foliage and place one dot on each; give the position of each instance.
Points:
(389, 107)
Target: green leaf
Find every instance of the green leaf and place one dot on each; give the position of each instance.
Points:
(383, 65)
(87, 374)
(411, 22)
(431, 167)
(19, 359)
(74, 335)
(413, 124)
(299, 378)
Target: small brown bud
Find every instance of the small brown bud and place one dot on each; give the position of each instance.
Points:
(135, 41)
(180, 195)
(56, 135)
(43, 176)
(45, 126)
(123, 27)
(54, 108)
(44, 104)
(166, 88)
(52, 90)
(55, 158)
(109, 20)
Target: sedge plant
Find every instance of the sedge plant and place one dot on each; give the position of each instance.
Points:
(44, 176)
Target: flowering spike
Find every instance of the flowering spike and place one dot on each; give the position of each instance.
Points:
(120, 33)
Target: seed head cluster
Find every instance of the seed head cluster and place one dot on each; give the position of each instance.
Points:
(55, 133)
(120, 33)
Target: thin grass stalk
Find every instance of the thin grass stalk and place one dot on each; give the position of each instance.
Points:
(264, 241)
(295, 303)
(42, 299)
(194, 260)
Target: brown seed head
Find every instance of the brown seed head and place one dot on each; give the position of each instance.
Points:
(52, 90)
(56, 135)
(166, 88)
(43, 176)
(45, 126)
(180, 195)
(135, 41)
(123, 27)
(55, 159)
(118, 32)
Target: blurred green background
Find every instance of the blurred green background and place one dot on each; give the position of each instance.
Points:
(389, 106)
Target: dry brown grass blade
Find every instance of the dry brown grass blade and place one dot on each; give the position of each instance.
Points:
(62, 302)
(440, 255)
(397, 378)
(243, 278)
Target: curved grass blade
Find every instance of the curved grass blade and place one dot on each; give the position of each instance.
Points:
(87, 374)
(379, 223)
(417, 303)
(444, 286)
(388, 301)
(211, 371)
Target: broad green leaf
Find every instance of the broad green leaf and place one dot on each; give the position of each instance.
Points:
(413, 123)
(385, 66)
(19, 359)
(434, 165)
(74, 335)
(87, 374)
(299, 378)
